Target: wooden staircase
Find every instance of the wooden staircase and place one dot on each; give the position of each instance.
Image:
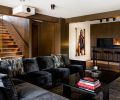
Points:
(8, 47)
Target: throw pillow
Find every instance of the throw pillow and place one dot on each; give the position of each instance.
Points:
(12, 67)
(65, 59)
(58, 61)
(8, 87)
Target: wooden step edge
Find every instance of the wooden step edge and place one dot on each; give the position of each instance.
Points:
(9, 48)
(10, 52)
(11, 57)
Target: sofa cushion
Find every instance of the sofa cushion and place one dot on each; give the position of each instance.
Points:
(8, 87)
(45, 62)
(58, 61)
(30, 65)
(65, 59)
(59, 73)
(27, 91)
(12, 67)
(41, 78)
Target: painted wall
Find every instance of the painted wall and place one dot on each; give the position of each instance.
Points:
(72, 39)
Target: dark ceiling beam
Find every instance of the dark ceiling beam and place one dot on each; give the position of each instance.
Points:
(5, 10)
(8, 11)
(44, 18)
(92, 17)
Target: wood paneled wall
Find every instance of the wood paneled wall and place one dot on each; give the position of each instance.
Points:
(45, 38)
(104, 30)
(49, 38)
(64, 27)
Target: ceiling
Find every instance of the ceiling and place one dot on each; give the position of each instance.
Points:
(67, 8)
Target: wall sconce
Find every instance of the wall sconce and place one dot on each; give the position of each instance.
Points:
(101, 20)
(114, 19)
(53, 6)
(107, 19)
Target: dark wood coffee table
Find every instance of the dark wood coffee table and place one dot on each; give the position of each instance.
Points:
(104, 89)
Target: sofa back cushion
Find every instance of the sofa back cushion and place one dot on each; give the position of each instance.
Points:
(30, 65)
(65, 59)
(45, 62)
(12, 67)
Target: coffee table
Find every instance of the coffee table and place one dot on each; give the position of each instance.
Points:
(103, 89)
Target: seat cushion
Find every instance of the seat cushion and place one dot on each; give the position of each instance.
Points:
(59, 73)
(30, 65)
(45, 62)
(27, 91)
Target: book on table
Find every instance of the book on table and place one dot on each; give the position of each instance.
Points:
(88, 83)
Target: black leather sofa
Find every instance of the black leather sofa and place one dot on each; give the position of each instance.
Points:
(46, 63)
(20, 90)
(41, 71)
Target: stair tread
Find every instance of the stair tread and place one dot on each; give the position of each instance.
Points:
(5, 57)
(12, 52)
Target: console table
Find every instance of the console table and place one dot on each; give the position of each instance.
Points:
(106, 54)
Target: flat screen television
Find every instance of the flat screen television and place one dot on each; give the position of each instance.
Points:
(104, 42)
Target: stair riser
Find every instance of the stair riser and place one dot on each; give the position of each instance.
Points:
(7, 43)
(8, 46)
(6, 40)
(9, 50)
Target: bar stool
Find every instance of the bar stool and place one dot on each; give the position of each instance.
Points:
(117, 53)
(96, 56)
(108, 55)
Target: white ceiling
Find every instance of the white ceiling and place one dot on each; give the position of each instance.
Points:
(67, 8)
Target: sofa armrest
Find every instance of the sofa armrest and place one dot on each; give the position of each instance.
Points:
(77, 62)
